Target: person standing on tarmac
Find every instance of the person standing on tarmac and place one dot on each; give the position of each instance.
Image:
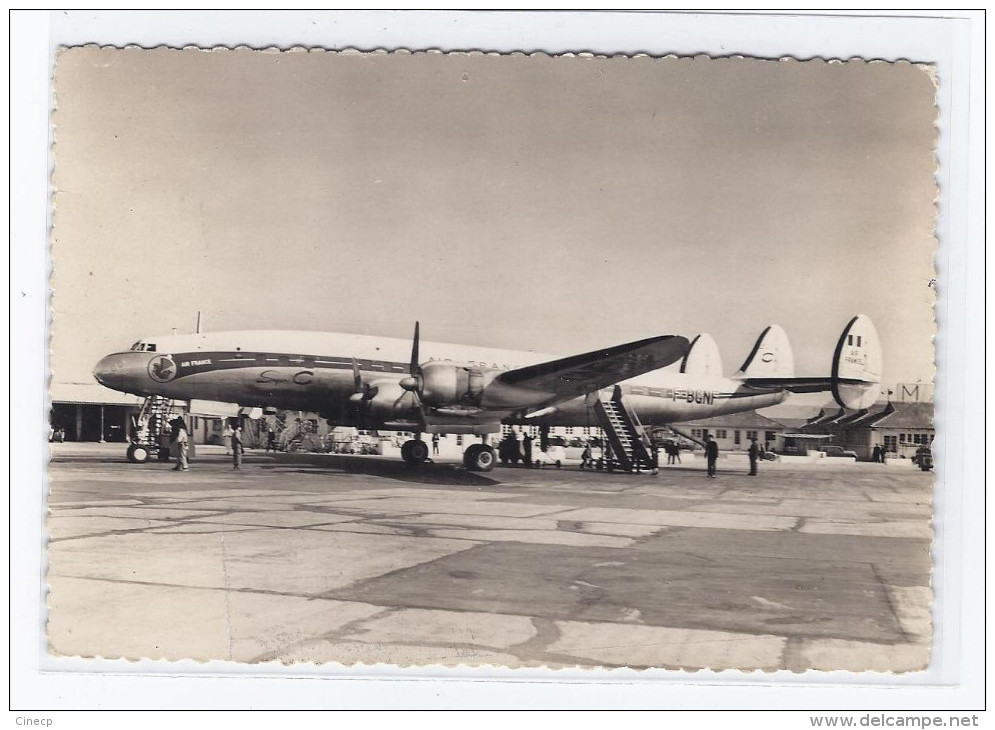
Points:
(226, 438)
(527, 448)
(711, 454)
(236, 447)
(754, 455)
(585, 457)
(182, 443)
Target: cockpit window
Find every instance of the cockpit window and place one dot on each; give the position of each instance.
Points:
(142, 346)
(136, 346)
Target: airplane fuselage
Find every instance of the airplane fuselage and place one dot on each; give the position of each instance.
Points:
(323, 372)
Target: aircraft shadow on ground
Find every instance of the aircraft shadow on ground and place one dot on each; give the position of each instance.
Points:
(427, 473)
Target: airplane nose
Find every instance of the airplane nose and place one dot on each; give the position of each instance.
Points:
(116, 371)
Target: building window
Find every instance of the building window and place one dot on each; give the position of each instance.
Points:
(769, 436)
(720, 433)
(459, 438)
(587, 431)
(735, 437)
(901, 438)
(891, 443)
(751, 434)
(696, 432)
(569, 431)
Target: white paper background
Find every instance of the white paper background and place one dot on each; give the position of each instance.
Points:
(952, 43)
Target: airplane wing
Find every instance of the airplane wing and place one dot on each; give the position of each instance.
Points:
(569, 377)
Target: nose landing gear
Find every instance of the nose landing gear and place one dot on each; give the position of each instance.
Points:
(138, 454)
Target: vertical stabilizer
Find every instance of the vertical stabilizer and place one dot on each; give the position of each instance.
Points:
(771, 356)
(857, 362)
(702, 357)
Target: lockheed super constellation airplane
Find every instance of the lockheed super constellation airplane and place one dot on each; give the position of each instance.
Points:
(427, 387)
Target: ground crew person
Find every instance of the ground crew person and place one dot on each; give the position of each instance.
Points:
(236, 447)
(585, 457)
(754, 455)
(182, 443)
(711, 454)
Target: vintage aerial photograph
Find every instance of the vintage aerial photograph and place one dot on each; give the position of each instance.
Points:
(472, 359)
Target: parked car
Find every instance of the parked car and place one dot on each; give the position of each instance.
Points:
(923, 458)
(838, 451)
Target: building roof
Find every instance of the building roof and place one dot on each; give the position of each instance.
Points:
(907, 415)
(896, 415)
(90, 394)
(744, 419)
(824, 419)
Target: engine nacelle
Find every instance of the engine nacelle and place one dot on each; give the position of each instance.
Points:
(445, 383)
(390, 400)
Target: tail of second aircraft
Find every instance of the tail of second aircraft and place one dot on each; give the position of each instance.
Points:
(855, 375)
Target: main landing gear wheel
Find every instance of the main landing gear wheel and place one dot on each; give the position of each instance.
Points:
(479, 457)
(137, 454)
(414, 451)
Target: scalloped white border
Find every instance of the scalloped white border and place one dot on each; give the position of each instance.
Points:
(932, 46)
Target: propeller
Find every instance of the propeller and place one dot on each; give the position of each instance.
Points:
(363, 394)
(414, 381)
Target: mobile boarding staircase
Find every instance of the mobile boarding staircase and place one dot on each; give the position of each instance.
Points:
(148, 429)
(629, 449)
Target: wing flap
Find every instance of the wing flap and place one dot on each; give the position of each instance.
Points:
(569, 377)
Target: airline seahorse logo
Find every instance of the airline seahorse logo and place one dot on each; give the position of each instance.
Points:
(162, 369)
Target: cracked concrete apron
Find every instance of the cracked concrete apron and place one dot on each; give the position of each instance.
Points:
(362, 560)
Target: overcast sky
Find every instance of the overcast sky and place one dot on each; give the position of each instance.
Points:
(551, 204)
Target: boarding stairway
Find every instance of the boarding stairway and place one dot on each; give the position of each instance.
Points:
(624, 432)
(149, 426)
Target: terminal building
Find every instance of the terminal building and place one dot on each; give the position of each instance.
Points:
(733, 431)
(899, 427)
(91, 412)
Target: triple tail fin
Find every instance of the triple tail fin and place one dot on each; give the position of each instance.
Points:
(855, 376)
(771, 357)
(702, 357)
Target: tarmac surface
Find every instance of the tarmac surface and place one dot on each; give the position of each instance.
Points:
(306, 558)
